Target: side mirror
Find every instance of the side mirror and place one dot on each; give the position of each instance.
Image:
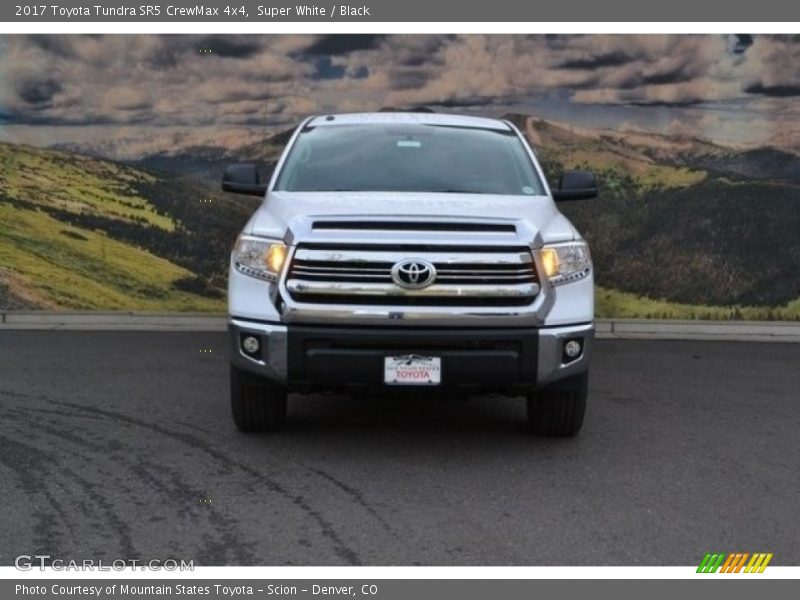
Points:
(575, 185)
(243, 178)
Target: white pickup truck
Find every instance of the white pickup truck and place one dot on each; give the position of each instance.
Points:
(410, 251)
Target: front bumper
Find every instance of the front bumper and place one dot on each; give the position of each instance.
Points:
(474, 360)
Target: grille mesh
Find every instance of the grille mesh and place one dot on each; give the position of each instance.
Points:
(363, 275)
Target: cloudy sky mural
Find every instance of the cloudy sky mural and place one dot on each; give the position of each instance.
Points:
(736, 89)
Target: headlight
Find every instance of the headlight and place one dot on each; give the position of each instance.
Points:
(259, 257)
(565, 263)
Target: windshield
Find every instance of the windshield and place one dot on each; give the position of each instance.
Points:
(409, 158)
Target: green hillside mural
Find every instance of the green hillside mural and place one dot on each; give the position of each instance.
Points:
(110, 157)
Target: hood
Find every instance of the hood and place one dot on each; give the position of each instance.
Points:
(281, 209)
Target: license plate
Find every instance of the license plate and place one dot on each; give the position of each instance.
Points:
(412, 369)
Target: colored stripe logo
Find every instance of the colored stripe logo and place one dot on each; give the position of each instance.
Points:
(736, 562)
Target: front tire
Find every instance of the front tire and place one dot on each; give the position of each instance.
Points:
(558, 410)
(256, 403)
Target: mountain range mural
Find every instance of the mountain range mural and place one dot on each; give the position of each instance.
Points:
(112, 147)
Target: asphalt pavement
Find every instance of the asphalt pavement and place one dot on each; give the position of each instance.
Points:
(119, 445)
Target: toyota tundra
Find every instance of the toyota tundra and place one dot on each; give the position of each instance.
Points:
(405, 252)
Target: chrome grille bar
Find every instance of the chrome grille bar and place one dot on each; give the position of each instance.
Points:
(390, 289)
(448, 257)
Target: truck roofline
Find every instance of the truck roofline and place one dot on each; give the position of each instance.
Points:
(370, 118)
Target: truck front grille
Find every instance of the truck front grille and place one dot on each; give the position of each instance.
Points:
(363, 275)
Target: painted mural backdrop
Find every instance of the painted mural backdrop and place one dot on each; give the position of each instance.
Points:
(111, 148)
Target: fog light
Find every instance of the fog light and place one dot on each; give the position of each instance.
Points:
(573, 349)
(250, 344)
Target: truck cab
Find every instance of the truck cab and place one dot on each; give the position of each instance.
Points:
(409, 252)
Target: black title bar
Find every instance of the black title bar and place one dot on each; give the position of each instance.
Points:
(266, 11)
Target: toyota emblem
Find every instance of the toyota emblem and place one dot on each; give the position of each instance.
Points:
(413, 273)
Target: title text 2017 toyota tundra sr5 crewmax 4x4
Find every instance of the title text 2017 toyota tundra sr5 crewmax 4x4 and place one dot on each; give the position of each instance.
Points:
(409, 251)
